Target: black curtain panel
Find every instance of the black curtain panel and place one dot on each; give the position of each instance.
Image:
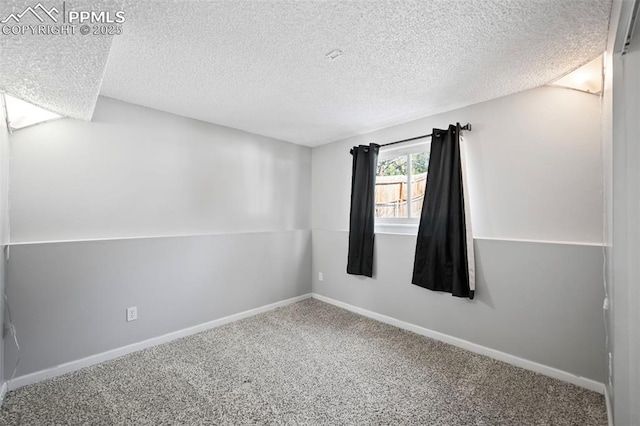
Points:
(441, 249)
(361, 220)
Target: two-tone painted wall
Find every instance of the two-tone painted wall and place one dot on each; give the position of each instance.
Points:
(192, 222)
(535, 186)
(188, 221)
(4, 229)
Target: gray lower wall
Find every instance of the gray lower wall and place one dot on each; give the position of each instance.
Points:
(538, 301)
(69, 299)
(2, 313)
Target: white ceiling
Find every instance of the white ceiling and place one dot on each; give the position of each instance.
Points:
(57, 72)
(260, 66)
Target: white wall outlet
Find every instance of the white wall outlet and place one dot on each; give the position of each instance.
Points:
(132, 313)
(320, 276)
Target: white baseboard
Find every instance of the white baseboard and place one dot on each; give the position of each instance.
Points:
(68, 367)
(607, 401)
(3, 393)
(472, 347)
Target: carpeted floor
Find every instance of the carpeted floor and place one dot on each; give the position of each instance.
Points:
(307, 363)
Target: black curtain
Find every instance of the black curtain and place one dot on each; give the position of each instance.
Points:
(441, 248)
(361, 220)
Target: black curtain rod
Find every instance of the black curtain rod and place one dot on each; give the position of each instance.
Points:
(465, 127)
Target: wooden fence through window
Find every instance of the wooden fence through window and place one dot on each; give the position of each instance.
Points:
(392, 191)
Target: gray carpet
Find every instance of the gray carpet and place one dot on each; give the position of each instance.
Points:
(307, 363)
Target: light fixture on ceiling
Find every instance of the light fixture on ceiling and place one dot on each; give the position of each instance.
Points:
(334, 54)
(587, 78)
(21, 114)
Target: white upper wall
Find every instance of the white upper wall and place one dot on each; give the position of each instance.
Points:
(135, 171)
(4, 217)
(4, 181)
(534, 166)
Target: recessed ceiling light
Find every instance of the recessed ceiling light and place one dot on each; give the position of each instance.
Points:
(334, 54)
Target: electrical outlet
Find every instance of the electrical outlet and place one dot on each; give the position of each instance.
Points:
(132, 313)
(320, 276)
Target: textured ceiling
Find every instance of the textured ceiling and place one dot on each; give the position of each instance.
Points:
(261, 66)
(61, 73)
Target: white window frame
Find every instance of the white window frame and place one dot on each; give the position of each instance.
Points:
(401, 225)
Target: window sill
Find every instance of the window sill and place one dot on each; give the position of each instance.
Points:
(396, 228)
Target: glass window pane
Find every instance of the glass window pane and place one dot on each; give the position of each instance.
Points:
(392, 188)
(419, 168)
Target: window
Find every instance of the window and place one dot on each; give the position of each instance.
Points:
(401, 179)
